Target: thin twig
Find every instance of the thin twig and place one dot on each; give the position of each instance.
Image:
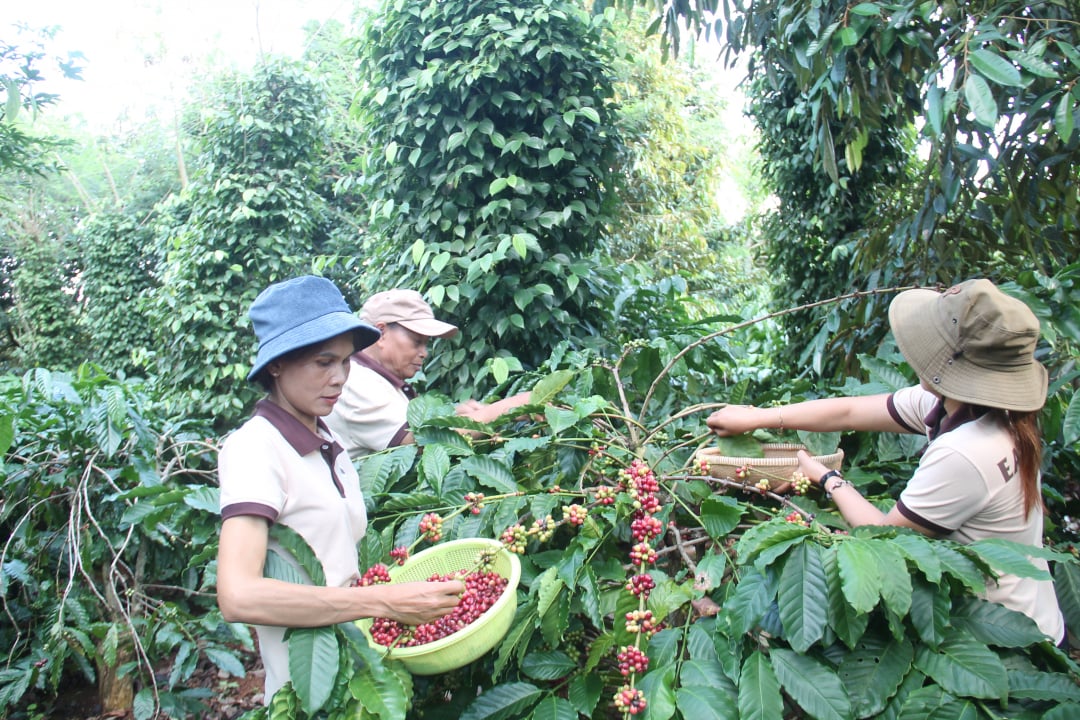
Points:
(739, 326)
(674, 530)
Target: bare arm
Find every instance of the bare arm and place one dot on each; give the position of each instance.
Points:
(485, 413)
(244, 595)
(869, 412)
(856, 509)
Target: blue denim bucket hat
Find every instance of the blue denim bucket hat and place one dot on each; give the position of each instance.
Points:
(302, 311)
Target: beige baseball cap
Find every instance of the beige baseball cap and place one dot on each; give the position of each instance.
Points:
(408, 309)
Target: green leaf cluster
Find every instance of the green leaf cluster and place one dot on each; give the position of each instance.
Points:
(251, 216)
(110, 521)
(493, 142)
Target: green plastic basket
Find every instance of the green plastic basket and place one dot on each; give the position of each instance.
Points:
(472, 641)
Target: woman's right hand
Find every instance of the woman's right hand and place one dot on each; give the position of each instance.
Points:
(414, 603)
(734, 420)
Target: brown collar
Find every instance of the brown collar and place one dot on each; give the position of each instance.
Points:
(939, 422)
(362, 358)
(302, 440)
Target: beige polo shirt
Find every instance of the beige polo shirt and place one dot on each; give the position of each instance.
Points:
(967, 488)
(274, 468)
(371, 414)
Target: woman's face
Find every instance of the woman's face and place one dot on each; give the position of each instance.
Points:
(308, 385)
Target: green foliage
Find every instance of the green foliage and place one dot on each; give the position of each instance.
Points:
(44, 327)
(995, 83)
(492, 140)
(106, 518)
(116, 282)
(21, 149)
(669, 117)
(817, 226)
(990, 91)
(813, 621)
(250, 217)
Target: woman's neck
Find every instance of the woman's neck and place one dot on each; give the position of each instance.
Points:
(309, 421)
(951, 406)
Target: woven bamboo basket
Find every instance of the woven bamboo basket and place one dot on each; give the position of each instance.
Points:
(776, 465)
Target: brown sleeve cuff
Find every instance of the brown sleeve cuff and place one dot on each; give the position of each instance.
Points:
(399, 436)
(249, 508)
(899, 420)
(920, 520)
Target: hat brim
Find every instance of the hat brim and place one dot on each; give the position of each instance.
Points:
(430, 327)
(315, 331)
(913, 317)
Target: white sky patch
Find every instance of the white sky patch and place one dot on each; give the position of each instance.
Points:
(141, 56)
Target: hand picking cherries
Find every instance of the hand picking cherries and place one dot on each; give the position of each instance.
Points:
(482, 589)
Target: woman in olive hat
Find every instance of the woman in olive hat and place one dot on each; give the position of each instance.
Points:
(285, 466)
(973, 349)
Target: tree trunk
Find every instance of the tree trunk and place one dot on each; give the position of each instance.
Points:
(115, 691)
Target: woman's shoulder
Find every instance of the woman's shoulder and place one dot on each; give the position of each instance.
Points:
(256, 431)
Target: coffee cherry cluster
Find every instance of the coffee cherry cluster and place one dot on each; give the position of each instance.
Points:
(605, 495)
(629, 700)
(796, 518)
(482, 589)
(399, 554)
(632, 660)
(642, 554)
(646, 527)
(640, 622)
(485, 561)
(543, 528)
(763, 485)
(639, 584)
(703, 466)
(575, 514)
(475, 501)
(431, 527)
(640, 482)
(514, 539)
(377, 574)
(742, 472)
(800, 483)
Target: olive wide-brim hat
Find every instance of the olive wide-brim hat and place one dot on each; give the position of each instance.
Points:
(299, 312)
(972, 343)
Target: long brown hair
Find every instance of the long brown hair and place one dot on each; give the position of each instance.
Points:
(1024, 429)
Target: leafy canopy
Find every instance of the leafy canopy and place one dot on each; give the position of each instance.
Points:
(492, 139)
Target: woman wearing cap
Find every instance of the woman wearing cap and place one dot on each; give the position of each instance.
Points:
(980, 391)
(284, 466)
(373, 410)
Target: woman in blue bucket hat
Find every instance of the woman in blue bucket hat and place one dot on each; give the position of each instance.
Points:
(977, 402)
(285, 466)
